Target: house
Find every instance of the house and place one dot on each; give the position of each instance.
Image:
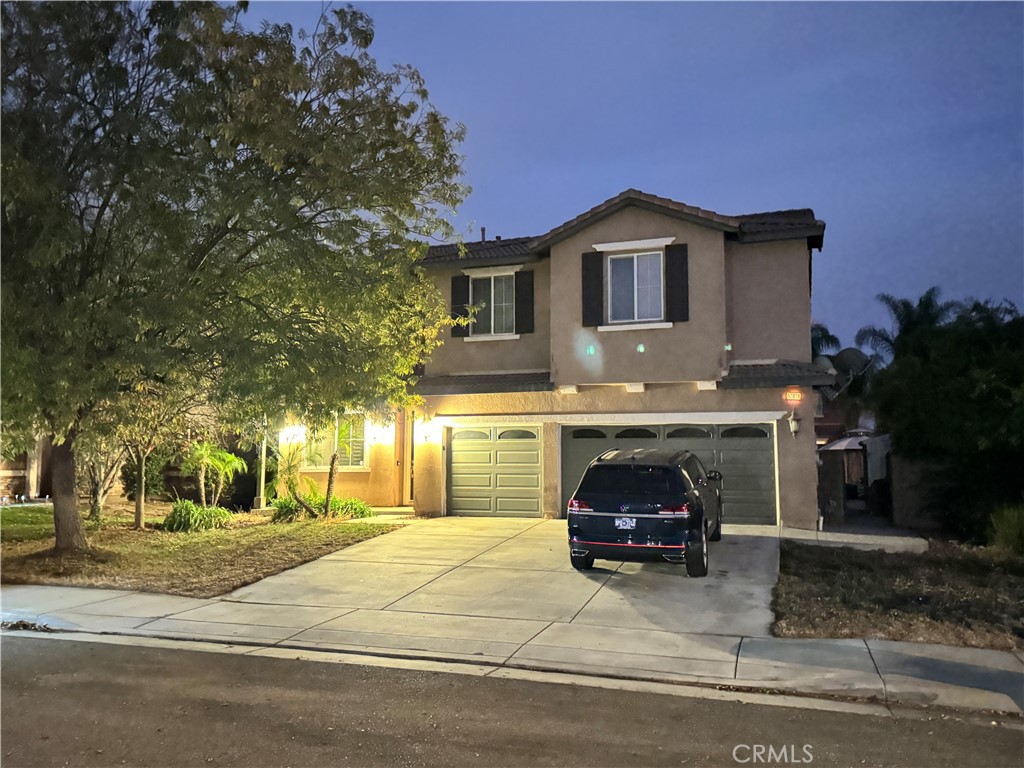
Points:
(641, 322)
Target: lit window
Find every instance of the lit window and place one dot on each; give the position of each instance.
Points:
(495, 297)
(348, 435)
(635, 288)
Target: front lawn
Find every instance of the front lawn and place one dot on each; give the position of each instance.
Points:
(203, 564)
(952, 594)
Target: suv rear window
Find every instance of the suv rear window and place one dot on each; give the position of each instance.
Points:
(631, 480)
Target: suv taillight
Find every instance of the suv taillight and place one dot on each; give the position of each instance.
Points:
(683, 510)
(575, 505)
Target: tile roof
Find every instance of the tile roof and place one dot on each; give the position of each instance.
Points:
(489, 250)
(749, 227)
(472, 384)
(779, 373)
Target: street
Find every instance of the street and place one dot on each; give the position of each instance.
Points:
(91, 704)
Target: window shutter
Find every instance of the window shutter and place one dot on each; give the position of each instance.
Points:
(524, 301)
(677, 283)
(460, 300)
(593, 288)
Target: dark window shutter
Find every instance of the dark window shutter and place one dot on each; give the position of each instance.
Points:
(460, 300)
(524, 301)
(677, 283)
(593, 288)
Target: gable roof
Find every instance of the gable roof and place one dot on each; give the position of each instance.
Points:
(745, 228)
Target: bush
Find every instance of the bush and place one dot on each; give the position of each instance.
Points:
(155, 486)
(355, 508)
(286, 509)
(188, 516)
(1007, 528)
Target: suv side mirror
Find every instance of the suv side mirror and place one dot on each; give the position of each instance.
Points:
(714, 474)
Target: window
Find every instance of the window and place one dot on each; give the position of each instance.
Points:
(517, 434)
(588, 434)
(348, 435)
(630, 480)
(635, 288)
(471, 434)
(495, 297)
(692, 433)
(745, 432)
(638, 432)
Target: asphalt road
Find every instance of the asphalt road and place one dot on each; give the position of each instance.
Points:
(91, 704)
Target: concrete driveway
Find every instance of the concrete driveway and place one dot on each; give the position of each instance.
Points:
(495, 588)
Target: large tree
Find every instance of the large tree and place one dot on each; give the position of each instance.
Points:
(181, 193)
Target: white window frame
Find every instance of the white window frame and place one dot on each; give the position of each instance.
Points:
(326, 467)
(490, 275)
(661, 272)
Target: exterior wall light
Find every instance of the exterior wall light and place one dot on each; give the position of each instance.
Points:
(293, 434)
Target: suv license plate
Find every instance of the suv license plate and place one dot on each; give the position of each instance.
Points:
(625, 523)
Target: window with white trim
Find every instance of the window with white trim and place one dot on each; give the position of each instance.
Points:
(348, 435)
(635, 288)
(495, 295)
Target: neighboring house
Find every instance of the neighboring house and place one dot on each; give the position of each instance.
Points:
(642, 322)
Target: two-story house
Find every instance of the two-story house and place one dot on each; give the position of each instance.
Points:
(642, 322)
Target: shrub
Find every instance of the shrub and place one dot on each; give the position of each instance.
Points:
(355, 508)
(188, 516)
(286, 509)
(155, 487)
(1007, 528)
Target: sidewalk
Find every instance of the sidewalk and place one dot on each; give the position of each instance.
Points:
(889, 672)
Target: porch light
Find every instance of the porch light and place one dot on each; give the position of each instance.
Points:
(293, 434)
(382, 433)
(429, 431)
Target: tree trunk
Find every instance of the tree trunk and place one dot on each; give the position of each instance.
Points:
(202, 485)
(140, 490)
(67, 522)
(330, 484)
(218, 488)
(95, 493)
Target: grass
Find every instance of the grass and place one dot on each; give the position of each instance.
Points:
(201, 564)
(953, 594)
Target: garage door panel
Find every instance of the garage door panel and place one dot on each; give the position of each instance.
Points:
(472, 457)
(518, 506)
(517, 481)
(472, 480)
(471, 504)
(531, 458)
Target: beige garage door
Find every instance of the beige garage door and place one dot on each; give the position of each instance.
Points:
(494, 471)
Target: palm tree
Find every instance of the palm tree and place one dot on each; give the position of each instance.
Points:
(909, 322)
(196, 463)
(822, 341)
(224, 465)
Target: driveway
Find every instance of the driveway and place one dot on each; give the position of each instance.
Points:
(496, 588)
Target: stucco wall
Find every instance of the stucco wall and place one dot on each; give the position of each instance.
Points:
(688, 351)
(378, 485)
(527, 353)
(797, 468)
(769, 307)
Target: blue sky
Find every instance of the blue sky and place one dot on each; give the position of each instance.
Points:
(901, 125)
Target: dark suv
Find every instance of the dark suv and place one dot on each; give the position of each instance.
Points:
(645, 504)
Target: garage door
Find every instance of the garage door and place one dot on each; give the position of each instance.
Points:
(494, 471)
(743, 453)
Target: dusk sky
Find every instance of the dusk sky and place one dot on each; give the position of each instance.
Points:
(901, 125)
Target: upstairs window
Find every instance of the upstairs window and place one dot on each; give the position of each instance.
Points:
(495, 297)
(635, 290)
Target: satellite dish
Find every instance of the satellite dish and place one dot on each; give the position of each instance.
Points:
(850, 362)
(825, 363)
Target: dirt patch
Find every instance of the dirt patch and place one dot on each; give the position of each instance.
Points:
(952, 594)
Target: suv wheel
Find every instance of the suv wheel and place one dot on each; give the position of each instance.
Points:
(582, 562)
(717, 535)
(697, 557)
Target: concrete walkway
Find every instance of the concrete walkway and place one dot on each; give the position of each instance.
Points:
(502, 592)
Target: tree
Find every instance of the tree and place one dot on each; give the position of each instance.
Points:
(953, 395)
(911, 323)
(181, 192)
(224, 465)
(98, 463)
(823, 340)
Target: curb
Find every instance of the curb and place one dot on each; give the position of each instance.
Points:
(845, 695)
